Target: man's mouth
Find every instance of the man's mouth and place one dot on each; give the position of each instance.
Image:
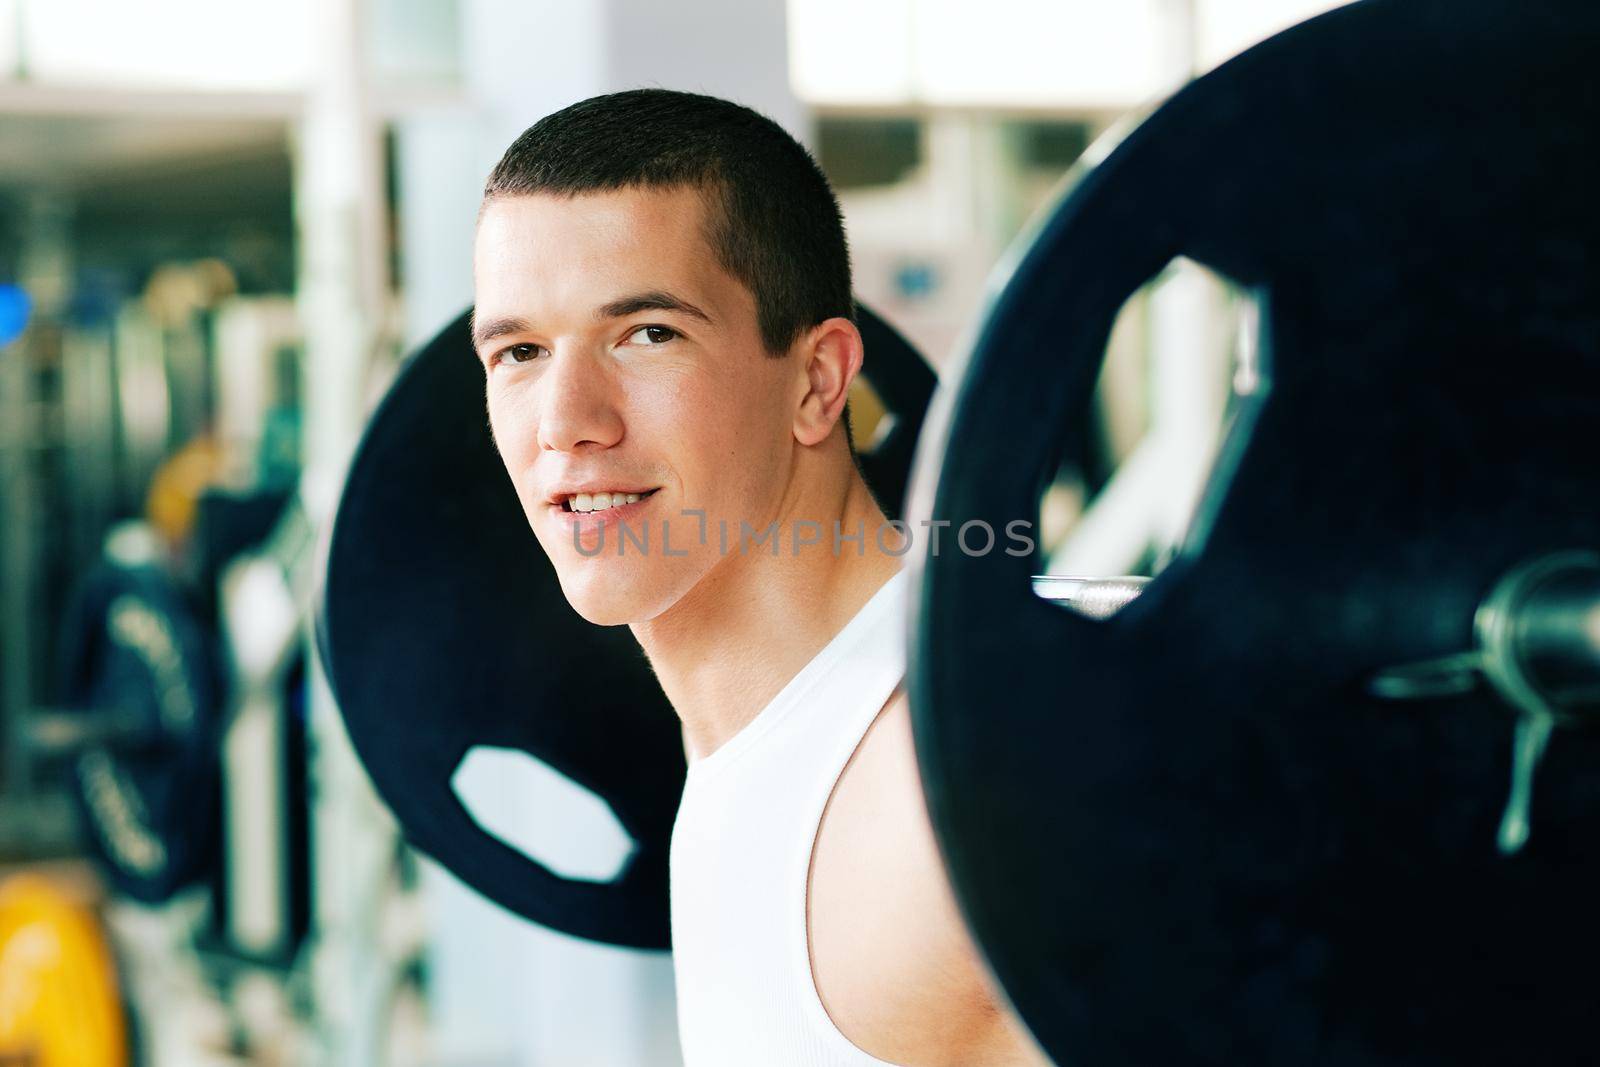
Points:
(589, 503)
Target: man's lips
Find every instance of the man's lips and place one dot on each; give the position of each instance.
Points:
(596, 499)
(568, 493)
(587, 520)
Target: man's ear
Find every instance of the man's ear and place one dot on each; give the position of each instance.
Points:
(831, 354)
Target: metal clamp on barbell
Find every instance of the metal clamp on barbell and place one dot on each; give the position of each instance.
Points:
(1094, 598)
(1538, 647)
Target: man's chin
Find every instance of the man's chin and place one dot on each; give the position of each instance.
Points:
(605, 603)
(602, 611)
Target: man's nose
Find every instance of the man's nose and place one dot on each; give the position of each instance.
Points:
(578, 404)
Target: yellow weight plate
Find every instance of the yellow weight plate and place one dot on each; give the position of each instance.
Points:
(59, 1003)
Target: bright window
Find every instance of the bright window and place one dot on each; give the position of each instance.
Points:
(1071, 54)
(178, 44)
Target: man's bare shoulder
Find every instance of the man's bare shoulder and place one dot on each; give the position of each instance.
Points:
(892, 960)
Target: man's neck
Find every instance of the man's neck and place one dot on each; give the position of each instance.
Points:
(749, 626)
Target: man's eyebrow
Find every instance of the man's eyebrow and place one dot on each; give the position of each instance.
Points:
(653, 300)
(484, 332)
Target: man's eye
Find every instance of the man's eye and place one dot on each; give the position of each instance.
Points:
(653, 335)
(519, 354)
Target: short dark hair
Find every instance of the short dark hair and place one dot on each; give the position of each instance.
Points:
(772, 219)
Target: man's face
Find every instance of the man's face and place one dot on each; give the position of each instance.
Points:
(621, 359)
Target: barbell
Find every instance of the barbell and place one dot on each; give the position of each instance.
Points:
(1319, 790)
(1281, 807)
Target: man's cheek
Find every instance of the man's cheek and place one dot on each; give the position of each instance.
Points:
(512, 426)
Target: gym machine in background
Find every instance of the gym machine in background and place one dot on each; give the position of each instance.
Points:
(176, 721)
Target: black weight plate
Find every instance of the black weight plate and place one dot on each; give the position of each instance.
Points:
(133, 649)
(1186, 834)
(431, 556)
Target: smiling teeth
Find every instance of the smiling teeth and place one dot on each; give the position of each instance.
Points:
(602, 501)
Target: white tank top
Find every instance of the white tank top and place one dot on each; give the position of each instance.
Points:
(741, 856)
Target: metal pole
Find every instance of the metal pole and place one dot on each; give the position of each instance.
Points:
(16, 551)
(339, 203)
(44, 270)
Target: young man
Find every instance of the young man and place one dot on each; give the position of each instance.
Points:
(663, 313)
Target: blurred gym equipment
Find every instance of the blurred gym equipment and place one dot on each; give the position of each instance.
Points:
(102, 420)
(14, 308)
(425, 503)
(143, 683)
(60, 1004)
(1269, 811)
(172, 662)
